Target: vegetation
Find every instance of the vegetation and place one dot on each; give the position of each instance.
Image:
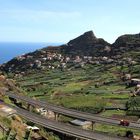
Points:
(77, 88)
(97, 85)
(92, 88)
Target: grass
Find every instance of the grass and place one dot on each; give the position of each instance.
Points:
(6, 121)
(133, 106)
(72, 88)
(114, 129)
(7, 100)
(110, 129)
(110, 113)
(79, 101)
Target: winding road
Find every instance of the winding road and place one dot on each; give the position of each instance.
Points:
(71, 112)
(64, 128)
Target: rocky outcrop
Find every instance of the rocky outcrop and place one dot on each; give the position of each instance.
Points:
(86, 44)
(8, 85)
(126, 43)
(127, 40)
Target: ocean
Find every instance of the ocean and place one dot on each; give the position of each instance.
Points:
(10, 50)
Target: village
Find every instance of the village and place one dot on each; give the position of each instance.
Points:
(43, 60)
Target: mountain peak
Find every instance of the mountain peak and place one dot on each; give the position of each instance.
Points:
(87, 37)
(89, 34)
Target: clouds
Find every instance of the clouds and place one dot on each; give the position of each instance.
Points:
(38, 16)
(61, 20)
(36, 25)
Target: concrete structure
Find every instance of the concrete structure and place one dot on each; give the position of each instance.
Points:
(47, 113)
(82, 123)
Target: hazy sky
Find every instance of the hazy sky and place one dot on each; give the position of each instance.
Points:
(62, 20)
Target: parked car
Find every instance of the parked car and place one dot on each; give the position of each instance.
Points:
(124, 123)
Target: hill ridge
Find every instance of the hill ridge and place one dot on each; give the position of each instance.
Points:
(85, 48)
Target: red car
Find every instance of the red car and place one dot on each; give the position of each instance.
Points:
(124, 123)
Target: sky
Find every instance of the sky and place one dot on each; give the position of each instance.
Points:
(62, 20)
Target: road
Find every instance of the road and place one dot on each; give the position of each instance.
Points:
(72, 112)
(64, 128)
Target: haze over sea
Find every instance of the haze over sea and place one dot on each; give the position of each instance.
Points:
(9, 50)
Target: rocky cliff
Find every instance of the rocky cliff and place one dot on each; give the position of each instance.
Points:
(86, 44)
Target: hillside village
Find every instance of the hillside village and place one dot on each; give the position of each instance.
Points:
(87, 74)
(58, 57)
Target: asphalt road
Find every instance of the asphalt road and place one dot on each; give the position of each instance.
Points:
(72, 112)
(64, 128)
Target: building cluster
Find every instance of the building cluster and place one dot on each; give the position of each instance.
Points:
(42, 59)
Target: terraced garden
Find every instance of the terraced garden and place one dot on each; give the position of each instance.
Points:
(92, 87)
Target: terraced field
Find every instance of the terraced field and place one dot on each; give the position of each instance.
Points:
(89, 89)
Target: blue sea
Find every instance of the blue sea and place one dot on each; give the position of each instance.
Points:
(9, 50)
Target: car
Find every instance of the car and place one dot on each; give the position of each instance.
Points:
(124, 123)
